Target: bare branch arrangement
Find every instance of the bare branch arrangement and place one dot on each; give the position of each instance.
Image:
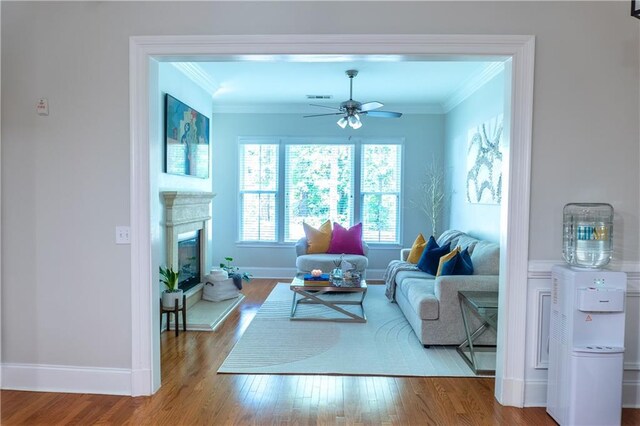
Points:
(432, 196)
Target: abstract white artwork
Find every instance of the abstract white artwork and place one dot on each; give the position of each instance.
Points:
(484, 163)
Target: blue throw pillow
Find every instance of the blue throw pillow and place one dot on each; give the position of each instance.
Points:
(464, 266)
(460, 264)
(430, 258)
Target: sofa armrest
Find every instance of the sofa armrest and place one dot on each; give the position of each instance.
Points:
(301, 247)
(446, 287)
(446, 290)
(404, 254)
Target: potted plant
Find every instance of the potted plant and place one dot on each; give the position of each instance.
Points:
(169, 278)
(234, 272)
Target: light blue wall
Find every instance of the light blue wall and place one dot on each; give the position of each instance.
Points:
(173, 82)
(479, 220)
(423, 137)
(164, 78)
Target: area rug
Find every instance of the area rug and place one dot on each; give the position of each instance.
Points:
(385, 345)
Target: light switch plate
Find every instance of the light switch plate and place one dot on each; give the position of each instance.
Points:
(122, 235)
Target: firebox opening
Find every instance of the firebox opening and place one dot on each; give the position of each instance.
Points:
(189, 259)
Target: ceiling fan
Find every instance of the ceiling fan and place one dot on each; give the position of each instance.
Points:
(352, 110)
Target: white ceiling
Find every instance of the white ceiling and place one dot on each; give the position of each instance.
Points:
(415, 86)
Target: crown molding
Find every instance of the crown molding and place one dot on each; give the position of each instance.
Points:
(470, 85)
(282, 108)
(195, 73)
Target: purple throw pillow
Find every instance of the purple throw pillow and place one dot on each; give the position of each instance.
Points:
(347, 241)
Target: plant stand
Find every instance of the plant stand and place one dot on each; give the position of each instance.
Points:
(175, 310)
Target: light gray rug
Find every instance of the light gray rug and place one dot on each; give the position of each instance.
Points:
(385, 345)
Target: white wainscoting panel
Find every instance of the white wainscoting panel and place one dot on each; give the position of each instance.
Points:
(537, 341)
(62, 378)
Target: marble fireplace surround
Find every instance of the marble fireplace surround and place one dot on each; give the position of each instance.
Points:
(187, 211)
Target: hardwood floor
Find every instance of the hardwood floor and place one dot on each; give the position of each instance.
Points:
(192, 393)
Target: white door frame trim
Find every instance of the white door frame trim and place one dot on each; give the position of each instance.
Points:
(509, 389)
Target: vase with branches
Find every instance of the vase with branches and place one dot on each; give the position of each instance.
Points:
(432, 195)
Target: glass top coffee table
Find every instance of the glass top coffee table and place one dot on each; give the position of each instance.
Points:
(485, 305)
(332, 297)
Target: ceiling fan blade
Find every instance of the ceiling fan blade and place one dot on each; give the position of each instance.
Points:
(368, 106)
(320, 115)
(384, 114)
(325, 106)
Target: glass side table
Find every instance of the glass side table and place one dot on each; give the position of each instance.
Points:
(485, 305)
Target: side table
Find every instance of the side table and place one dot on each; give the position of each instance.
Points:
(175, 311)
(485, 305)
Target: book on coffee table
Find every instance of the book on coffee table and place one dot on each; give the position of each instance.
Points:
(321, 280)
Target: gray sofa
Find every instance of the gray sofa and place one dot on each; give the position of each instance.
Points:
(305, 263)
(431, 304)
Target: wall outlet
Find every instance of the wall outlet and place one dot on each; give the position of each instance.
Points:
(122, 235)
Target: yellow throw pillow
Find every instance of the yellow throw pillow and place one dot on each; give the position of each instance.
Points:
(445, 258)
(317, 239)
(416, 249)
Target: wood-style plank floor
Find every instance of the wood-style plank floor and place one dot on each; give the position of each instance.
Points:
(192, 393)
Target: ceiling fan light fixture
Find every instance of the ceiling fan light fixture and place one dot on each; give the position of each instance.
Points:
(342, 122)
(354, 121)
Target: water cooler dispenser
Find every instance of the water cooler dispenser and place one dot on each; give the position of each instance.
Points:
(586, 343)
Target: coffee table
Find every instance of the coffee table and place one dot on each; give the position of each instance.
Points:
(317, 295)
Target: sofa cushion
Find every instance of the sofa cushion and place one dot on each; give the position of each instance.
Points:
(347, 241)
(417, 249)
(403, 275)
(317, 239)
(420, 295)
(431, 256)
(486, 258)
(466, 242)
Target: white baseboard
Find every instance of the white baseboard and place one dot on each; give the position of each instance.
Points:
(59, 378)
(535, 394)
(141, 382)
(512, 390)
(268, 272)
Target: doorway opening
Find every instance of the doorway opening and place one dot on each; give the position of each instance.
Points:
(513, 234)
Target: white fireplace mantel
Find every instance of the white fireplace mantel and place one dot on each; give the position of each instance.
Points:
(186, 211)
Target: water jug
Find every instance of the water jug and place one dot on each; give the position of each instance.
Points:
(587, 234)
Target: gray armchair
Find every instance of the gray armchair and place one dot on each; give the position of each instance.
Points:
(305, 263)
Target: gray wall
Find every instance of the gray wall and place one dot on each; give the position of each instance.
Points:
(65, 178)
(485, 104)
(423, 134)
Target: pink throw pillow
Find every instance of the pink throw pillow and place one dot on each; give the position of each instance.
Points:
(347, 241)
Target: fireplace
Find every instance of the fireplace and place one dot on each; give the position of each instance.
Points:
(189, 260)
(187, 223)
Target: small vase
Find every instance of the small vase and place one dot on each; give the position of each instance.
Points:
(169, 299)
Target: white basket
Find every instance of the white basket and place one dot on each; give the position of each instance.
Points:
(220, 290)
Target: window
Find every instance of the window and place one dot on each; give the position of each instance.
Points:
(343, 182)
(380, 192)
(258, 192)
(319, 186)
